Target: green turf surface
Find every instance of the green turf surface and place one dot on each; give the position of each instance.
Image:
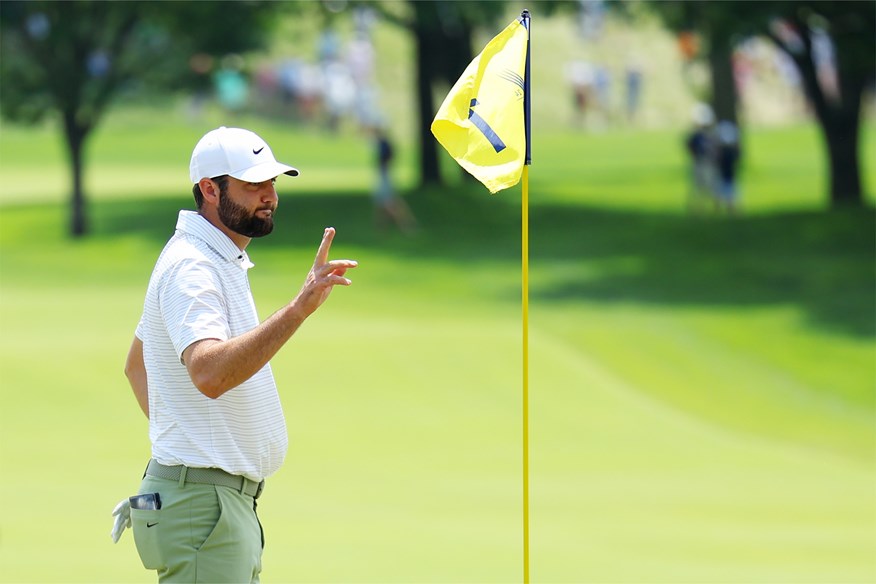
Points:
(702, 389)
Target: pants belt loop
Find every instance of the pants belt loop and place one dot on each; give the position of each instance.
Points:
(243, 482)
(182, 476)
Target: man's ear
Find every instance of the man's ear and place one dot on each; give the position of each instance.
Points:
(210, 190)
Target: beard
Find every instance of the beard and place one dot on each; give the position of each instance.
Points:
(236, 218)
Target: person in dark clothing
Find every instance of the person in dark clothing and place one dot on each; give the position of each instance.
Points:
(701, 149)
(388, 205)
(727, 162)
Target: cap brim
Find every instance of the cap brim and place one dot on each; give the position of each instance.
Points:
(263, 172)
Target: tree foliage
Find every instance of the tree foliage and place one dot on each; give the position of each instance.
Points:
(442, 33)
(71, 59)
(851, 30)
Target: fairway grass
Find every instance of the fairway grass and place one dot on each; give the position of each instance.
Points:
(404, 463)
(701, 388)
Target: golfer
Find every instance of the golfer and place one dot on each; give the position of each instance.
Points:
(199, 368)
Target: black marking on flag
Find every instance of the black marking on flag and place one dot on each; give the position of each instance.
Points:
(509, 75)
(482, 125)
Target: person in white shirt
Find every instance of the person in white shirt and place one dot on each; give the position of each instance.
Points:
(199, 368)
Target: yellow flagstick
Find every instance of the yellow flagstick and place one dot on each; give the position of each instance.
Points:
(480, 126)
(525, 261)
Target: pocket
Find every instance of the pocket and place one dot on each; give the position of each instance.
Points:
(232, 550)
(146, 524)
(218, 533)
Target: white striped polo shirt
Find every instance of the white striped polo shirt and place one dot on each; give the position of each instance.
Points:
(199, 290)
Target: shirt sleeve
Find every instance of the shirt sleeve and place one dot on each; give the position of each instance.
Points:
(140, 331)
(192, 305)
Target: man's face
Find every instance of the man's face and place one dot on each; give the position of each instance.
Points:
(248, 208)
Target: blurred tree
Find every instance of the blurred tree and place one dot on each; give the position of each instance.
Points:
(831, 43)
(443, 33)
(443, 43)
(72, 59)
(719, 26)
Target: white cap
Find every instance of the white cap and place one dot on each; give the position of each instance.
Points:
(236, 152)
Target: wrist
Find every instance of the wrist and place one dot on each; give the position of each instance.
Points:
(295, 313)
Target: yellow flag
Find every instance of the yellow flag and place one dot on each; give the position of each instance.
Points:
(481, 122)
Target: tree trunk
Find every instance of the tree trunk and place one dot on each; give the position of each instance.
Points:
(841, 132)
(443, 45)
(75, 134)
(838, 120)
(724, 95)
(841, 126)
(429, 168)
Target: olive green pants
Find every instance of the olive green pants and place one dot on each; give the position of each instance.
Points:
(202, 533)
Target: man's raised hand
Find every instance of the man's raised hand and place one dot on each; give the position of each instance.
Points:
(323, 276)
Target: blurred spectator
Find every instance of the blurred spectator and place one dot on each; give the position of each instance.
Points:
(232, 88)
(633, 84)
(602, 87)
(339, 94)
(309, 91)
(591, 18)
(267, 93)
(727, 159)
(360, 57)
(328, 47)
(700, 146)
(388, 205)
(581, 78)
(289, 85)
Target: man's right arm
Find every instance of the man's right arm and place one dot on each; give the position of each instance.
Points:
(135, 371)
(216, 367)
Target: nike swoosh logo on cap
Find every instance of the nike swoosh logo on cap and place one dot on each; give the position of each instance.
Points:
(254, 151)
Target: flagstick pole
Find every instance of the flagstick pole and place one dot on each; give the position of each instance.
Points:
(525, 261)
(525, 16)
(525, 245)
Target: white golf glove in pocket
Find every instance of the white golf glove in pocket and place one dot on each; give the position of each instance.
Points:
(122, 514)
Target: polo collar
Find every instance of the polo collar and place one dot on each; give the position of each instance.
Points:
(193, 223)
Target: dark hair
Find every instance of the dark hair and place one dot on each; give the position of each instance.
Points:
(222, 181)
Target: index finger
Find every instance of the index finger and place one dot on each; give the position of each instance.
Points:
(324, 246)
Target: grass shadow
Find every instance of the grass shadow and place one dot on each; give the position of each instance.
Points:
(821, 262)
